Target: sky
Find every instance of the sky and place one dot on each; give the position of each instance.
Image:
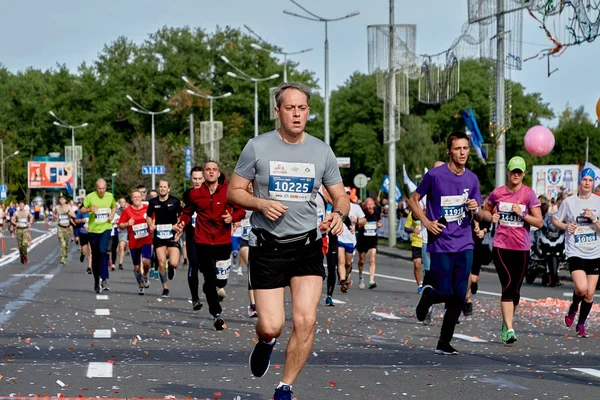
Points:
(41, 33)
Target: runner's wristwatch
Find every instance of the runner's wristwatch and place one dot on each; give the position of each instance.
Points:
(341, 214)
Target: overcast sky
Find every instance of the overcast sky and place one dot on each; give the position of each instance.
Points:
(41, 33)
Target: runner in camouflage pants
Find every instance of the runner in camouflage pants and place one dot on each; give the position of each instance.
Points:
(63, 214)
(22, 220)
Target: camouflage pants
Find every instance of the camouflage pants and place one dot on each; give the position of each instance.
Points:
(64, 237)
(23, 241)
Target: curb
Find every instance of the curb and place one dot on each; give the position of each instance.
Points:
(485, 268)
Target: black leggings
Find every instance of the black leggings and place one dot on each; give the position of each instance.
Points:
(114, 244)
(510, 266)
(206, 262)
(332, 263)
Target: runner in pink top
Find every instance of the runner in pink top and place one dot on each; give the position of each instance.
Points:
(514, 208)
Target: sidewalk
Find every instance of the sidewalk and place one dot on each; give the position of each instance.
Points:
(395, 252)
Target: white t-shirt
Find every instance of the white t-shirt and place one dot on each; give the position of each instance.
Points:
(584, 241)
(423, 232)
(347, 236)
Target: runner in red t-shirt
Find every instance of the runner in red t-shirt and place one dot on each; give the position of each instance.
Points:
(140, 241)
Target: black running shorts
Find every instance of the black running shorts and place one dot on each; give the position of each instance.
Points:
(590, 267)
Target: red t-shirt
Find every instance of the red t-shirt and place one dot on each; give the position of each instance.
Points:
(138, 233)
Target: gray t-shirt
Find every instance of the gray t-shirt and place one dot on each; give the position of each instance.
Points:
(583, 242)
(290, 174)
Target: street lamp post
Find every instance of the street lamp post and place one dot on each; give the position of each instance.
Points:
(283, 53)
(314, 17)
(140, 109)
(4, 159)
(113, 183)
(210, 100)
(245, 77)
(63, 124)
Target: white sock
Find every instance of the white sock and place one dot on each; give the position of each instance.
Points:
(283, 384)
(269, 342)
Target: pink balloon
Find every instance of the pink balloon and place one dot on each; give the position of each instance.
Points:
(539, 141)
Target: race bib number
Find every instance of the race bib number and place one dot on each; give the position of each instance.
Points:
(453, 207)
(164, 231)
(371, 228)
(140, 231)
(223, 269)
(585, 236)
(63, 220)
(508, 217)
(102, 214)
(320, 215)
(22, 222)
(291, 181)
(246, 227)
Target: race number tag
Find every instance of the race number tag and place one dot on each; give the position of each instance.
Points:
(164, 231)
(371, 228)
(22, 223)
(140, 231)
(223, 269)
(291, 181)
(63, 220)
(246, 227)
(585, 236)
(102, 214)
(508, 217)
(453, 207)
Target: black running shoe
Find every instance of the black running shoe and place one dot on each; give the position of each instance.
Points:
(445, 348)
(97, 288)
(468, 309)
(474, 287)
(424, 303)
(81, 257)
(197, 305)
(283, 393)
(120, 266)
(171, 273)
(165, 293)
(88, 271)
(219, 323)
(260, 358)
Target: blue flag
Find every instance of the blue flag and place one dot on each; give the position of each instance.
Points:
(475, 137)
(385, 188)
(69, 189)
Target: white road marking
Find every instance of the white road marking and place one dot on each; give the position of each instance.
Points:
(102, 334)
(469, 338)
(102, 311)
(101, 297)
(8, 258)
(570, 294)
(47, 276)
(336, 301)
(387, 315)
(396, 278)
(100, 370)
(589, 371)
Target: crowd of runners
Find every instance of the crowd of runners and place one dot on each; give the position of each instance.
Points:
(287, 219)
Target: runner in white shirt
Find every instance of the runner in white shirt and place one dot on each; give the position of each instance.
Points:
(579, 216)
(347, 243)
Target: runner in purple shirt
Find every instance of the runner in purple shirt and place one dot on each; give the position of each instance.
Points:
(453, 200)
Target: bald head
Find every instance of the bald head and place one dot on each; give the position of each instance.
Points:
(369, 205)
(100, 187)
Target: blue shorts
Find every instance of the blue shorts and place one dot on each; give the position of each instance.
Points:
(142, 252)
(235, 242)
(349, 247)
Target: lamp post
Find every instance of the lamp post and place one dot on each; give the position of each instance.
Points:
(210, 99)
(245, 77)
(113, 183)
(314, 17)
(140, 109)
(283, 53)
(63, 124)
(4, 159)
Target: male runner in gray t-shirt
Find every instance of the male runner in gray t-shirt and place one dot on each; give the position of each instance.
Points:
(287, 167)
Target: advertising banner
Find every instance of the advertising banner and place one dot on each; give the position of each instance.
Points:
(552, 180)
(49, 174)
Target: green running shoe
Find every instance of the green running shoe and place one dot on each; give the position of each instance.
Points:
(504, 332)
(510, 337)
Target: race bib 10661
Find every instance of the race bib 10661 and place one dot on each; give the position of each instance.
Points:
(291, 181)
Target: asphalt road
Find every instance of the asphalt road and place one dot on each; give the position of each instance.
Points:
(369, 346)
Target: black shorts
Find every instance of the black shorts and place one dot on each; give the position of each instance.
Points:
(83, 239)
(273, 264)
(416, 252)
(165, 242)
(590, 267)
(365, 244)
(243, 243)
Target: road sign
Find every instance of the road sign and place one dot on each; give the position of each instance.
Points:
(158, 170)
(360, 181)
(343, 162)
(2, 194)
